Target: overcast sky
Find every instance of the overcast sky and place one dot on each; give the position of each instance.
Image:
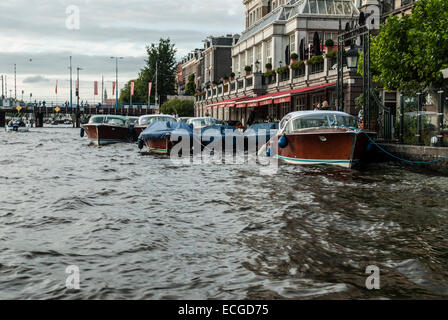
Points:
(40, 35)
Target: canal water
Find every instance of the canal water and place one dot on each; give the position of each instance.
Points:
(141, 227)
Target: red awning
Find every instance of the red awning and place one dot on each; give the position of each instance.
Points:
(278, 97)
(222, 104)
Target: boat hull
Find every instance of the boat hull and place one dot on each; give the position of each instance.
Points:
(17, 129)
(139, 129)
(159, 146)
(102, 134)
(339, 147)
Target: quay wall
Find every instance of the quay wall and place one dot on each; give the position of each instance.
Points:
(415, 153)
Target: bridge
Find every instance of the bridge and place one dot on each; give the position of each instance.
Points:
(38, 113)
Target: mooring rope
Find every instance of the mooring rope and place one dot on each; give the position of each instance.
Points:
(398, 158)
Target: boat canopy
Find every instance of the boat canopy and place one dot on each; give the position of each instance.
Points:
(160, 129)
(299, 120)
(148, 119)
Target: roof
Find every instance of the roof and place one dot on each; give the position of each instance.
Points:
(322, 8)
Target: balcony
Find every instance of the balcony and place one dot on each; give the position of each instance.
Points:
(319, 70)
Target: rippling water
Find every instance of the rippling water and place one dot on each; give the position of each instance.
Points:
(140, 227)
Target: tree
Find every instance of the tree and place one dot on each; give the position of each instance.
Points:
(190, 87)
(181, 107)
(409, 52)
(162, 55)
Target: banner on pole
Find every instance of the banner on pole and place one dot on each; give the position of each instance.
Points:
(56, 89)
(149, 89)
(113, 88)
(132, 88)
(95, 88)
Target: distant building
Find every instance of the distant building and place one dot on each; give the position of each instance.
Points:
(274, 31)
(209, 64)
(396, 8)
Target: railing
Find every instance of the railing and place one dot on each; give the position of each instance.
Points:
(298, 73)
(316, 67)
(284, 76)
(249, 82)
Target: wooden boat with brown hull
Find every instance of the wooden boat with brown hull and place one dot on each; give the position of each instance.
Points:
(320, 137)
(107, 129)
(146, 120)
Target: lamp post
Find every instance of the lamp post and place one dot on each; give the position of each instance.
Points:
(116, 79)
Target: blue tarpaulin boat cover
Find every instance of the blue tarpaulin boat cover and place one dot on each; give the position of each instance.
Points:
(160, 129)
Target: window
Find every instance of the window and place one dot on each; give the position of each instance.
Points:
(250, 57)
(268, 53)
(292, 43)
(258, 53)
(236, 65)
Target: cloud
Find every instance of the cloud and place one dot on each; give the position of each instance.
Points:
(35, 79)
(37, 30)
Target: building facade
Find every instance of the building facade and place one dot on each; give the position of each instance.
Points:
(209, 64)
(267, 83)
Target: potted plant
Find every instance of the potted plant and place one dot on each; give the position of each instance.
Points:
(268, 67)
(248, 70)
(294, 57)
(329, 44)
(232, 76)
(214, 83)
(297, 65)
(225, 79)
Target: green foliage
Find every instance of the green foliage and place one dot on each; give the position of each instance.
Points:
(268, 66)
(269, 74)
(410, 51)
(294, 56)
(232, 75)
(282, 70)
(181, 107)
(190, 87)
(315, 60)
(297, 65)
(329, 43)
(248, 68)
(162, 53)
(332, 54)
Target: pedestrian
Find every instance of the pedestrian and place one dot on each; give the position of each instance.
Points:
(325, 105)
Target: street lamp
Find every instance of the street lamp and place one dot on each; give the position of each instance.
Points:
(116, 80)
(352, 58)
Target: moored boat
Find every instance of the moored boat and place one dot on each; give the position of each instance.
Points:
(221, 136)
(18, 125)
(201, 122)
(107, 129)
(146, 120)
(320, 137)
(258, 134)
(158, 136)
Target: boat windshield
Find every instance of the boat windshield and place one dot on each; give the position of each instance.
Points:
(96, 119)
(202, 122)
(321, 121)
(133, 120)
(149, 120)
(115, 121)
